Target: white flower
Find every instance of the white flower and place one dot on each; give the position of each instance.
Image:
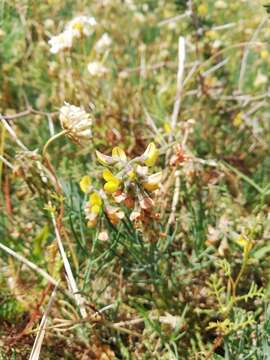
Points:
(95, 68)
(81, 26)
(103, 43)
(61, 42)
(76, 121)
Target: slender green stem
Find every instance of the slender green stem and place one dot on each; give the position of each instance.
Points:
(56, 136)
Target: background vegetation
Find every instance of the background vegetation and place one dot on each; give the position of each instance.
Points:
(191, 283)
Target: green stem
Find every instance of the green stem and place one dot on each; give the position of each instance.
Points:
(51, 140)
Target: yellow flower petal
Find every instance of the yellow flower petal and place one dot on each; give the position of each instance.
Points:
(96, 209)
(85, 184)
(95, 199)
(238, 120)
(104, 159)
(167, 127)
(118, 153)
(112, 186)
(108, 175)
(150, 155)
(153, 182)
(131, 174)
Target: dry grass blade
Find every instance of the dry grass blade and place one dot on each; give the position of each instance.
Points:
(180, 76)
(12, 133)
(29, 264)
(41, 331)
(246, 53)
(71, 280)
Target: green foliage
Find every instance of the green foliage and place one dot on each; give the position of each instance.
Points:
(181, 260)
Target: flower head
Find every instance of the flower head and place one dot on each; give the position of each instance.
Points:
(81, 26)
(95, 68)
(61, 42)
(93, 209)
(76, 28)
(112, 182)
(76, 121)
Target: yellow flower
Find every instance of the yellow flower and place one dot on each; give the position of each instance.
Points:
(238, 120)
(264, 54)
(95, 199)
(167, 127)
(150, 155)
(112, 182)
(202, 10)
(93, 209)
(153, 182)
(85, 184)
(119, 154)
(245, 243)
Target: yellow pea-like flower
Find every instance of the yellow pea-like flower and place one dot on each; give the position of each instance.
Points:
(153, 182)
(96, 209)
(112, 182)
(245, 243)
(85, 184)
(150, 155)
(119, 153)
(112, 186)
(108, 175)
(95, 199)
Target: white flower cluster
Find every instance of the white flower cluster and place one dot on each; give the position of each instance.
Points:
(78, 27)
(77, 122)
(96, 68)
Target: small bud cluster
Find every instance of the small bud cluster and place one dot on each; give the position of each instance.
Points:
(126, 183)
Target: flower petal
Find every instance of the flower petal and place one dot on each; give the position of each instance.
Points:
(95, 199)
(112, 186)
(104, 159)
(119, 154)
(85, 184)
(150, 155)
